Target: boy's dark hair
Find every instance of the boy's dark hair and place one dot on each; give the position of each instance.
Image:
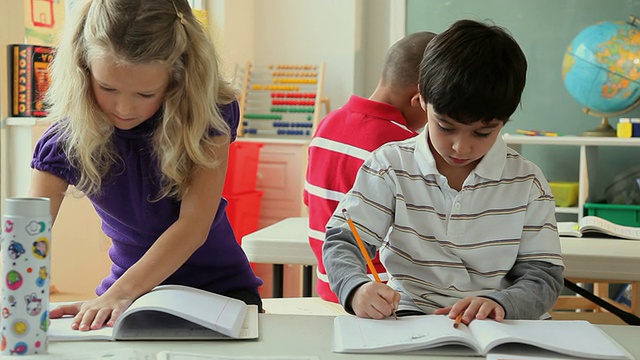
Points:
(473, 72)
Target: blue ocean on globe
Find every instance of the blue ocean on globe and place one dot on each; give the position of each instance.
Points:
(601, 67)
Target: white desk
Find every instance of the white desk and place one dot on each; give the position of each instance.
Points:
(286, 242)
(601, 258)
(285, 335)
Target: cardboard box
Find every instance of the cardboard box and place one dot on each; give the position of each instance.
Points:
(28, 79)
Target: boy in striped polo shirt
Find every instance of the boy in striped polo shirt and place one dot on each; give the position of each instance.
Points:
(463, 224)
(346, 137)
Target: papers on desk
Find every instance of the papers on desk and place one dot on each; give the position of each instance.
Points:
(120, 354)
(129, 354)
(173, 355)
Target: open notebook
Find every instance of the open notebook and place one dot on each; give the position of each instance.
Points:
(171, 312)
(575, 338)
(597, 226)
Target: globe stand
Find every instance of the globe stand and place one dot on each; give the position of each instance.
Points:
(603, 130)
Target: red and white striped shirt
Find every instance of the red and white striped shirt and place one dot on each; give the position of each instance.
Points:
(344, 140)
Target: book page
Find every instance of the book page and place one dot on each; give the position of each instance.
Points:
(576, 338)
(568, 229)
(167, 317)
(151, 325)
(597, 224)
(525, 353)
(174, 355)
(60, 330)
(119, 354)
(182, 305)
(357, 335)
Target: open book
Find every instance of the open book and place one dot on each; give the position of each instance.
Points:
(597, 225)
(171, 312)
(352, 334)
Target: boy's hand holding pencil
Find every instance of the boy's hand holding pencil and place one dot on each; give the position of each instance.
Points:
(374, 299)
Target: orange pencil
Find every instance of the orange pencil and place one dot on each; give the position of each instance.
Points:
(458, 321)
(363, 250)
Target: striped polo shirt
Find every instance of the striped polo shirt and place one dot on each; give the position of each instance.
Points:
(344, 139)
(438, 244)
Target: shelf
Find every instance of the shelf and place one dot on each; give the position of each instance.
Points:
(587, 158)
(570, 140)
(272, 140)
(17, 150)
(567, 210)
(24, 121)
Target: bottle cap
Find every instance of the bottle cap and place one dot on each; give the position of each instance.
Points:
(624, 120)
(28, 206)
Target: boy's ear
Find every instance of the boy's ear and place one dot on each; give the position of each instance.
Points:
(421, 101)
(415, 100)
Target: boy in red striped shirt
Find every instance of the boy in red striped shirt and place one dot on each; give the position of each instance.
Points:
(346, 137)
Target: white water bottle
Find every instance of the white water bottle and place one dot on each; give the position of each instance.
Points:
(26, 261)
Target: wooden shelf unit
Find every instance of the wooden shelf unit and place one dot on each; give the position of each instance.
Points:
(588, 155)
(569, 307)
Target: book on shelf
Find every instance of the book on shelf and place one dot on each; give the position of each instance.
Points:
(435, 334)
(171, 312)
(597, 226)
(28, 73)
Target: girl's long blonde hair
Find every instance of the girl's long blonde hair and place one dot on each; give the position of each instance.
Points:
(139, 32)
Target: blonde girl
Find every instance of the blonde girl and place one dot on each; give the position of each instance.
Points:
(142, 125)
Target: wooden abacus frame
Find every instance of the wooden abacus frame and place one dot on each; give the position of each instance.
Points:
(318, 101)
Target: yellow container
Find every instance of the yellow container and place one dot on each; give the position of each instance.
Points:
(566, 193)
(625, 128)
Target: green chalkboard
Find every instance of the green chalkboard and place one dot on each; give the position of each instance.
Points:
(544, 29)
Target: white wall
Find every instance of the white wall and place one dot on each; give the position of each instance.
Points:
(349, 36)
(232, 26)
(311, 32)
(11, 32)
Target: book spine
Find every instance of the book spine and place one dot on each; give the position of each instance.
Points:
(28, 79)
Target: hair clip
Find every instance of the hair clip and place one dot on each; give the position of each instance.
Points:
(181, 17)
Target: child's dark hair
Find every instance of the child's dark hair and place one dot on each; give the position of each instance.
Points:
(473, 72)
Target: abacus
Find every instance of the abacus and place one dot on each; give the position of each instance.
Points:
(281, 100)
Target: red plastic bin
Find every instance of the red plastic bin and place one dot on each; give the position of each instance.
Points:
(242, 171)
(243, 212)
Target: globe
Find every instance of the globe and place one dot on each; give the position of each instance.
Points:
(601, 70)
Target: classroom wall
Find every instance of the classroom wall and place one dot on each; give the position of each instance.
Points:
(544, 29)
(231, 24)
(349, 36)
(68, 274)
(11, 32)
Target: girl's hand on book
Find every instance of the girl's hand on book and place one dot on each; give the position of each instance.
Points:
(62, 310)
(374, 300)
(473, 308)
(94, 314)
